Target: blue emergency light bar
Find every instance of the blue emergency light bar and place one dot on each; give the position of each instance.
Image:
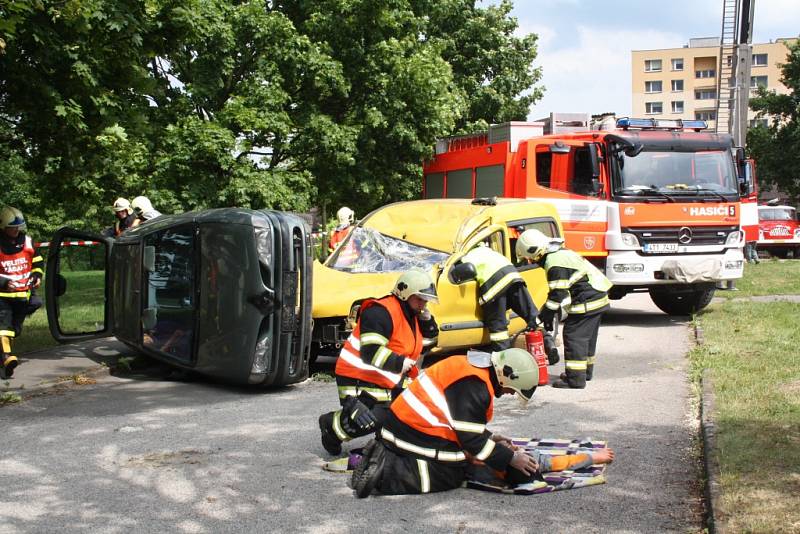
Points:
(661, 124)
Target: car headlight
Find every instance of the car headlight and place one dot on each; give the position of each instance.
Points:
(263, 349)
(734, 238)
(629, 240)
(797, 233)
(264, 245)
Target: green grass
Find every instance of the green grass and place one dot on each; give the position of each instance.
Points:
(751, 353)
(770, 277)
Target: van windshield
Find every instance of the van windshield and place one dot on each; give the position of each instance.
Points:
(776, 214)
(677, 173)
(368, 251)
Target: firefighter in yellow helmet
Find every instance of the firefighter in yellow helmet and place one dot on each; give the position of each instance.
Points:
(578, 289)
(380, 353)
(20, 274)
(126, 218)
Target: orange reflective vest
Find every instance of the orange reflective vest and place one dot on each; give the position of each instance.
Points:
(403, 341)
(18, 267)
(423, 406)
(337, 237)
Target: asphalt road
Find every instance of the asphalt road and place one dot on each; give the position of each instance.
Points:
(150, 455)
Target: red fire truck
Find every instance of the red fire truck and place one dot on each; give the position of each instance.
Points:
(778, 230)
(655, 204)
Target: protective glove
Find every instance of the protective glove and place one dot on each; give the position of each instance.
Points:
(360, 414)
(408, 363)
(547, 317)
(36, 280)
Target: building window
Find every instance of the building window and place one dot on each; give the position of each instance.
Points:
(677, 85)
(653, 107)
(758, 81)
(705, 115)
(705, 94)
(759, 60)
(652, 65)
(677, 106)
(677, 63)
(707, 73)
(652, 87)
(755, 123)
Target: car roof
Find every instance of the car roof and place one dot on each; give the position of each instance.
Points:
(443, 223)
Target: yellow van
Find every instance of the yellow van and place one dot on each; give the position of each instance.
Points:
(431, 235)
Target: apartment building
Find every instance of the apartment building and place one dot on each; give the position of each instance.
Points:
(681, 83)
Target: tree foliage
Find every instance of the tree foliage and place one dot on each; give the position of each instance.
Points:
(776, 148)
(205, 103)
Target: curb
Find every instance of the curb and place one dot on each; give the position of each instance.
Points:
(711, 485)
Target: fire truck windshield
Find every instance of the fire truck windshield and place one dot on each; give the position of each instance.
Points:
(695, 174)
(776, 214)
(369, 251)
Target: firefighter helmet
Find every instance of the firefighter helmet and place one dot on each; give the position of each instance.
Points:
(533, 244)
(345, 215)
(141, 204)
(122, 204)
(12, 218)
(516, 369)
(415, 282)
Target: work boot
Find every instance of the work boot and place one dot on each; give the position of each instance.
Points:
(368, 474)
(331, 443)
(9, 364)
(551, 350)
(561, 384)
(589, 371)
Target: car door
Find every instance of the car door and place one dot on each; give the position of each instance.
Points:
(77, 281)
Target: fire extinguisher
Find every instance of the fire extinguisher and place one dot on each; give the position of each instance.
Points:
(535, 343)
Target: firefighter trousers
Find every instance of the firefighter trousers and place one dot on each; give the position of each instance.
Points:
(516, 298)
(341, 422)
(404, 474)
(580, 342)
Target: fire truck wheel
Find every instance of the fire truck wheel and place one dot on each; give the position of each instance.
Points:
(684, 302)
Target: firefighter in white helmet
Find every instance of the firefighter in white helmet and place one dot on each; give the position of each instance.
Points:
(438, 426)
(20, 274)
(379, 355)
(126, 218)
(577, 288)
(346, 217)
(143, 209)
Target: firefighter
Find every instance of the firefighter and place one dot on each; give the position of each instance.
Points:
(143, 209)
(500, 288)
(20, 273)
(126, 218)
(577, 288)
(436, 428)
(380, 353)
(346, 217)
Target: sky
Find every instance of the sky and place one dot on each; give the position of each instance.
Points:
(585, 45)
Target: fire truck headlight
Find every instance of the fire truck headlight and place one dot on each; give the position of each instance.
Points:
(628, 267)
(629, 240)
(797, 233)
(734, 238)
(734, 265)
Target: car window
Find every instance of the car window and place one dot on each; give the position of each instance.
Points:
(515, 228)
(170, 290)
(369, 251)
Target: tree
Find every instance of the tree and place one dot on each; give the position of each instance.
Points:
(776, 148)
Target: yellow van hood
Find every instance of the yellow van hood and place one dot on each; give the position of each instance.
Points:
(335, 291)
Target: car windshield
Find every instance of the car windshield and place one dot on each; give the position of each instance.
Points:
(776, 214)
(679, 173)
(369, 251)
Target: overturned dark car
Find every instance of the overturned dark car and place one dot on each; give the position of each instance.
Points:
(225, 292)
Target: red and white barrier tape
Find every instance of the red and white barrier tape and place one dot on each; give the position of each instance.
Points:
(46, 244)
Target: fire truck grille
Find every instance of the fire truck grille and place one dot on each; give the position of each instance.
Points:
(682, 235)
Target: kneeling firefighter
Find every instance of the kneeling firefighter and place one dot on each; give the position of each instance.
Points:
(435, 431)
(380, 353)
(578, 289)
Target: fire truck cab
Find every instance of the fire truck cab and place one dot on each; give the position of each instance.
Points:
(655, 204)
(778, 230)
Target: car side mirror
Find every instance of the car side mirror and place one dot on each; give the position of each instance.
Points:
(633, 150)
(462, 273)
(559, 147)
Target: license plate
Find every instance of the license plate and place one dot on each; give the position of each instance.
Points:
(660, 248)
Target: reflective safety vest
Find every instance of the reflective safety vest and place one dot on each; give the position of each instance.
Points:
(18, 267)
(337, 236)
(495, 272)
(569, 259)
(403, 341)
(423, 406)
